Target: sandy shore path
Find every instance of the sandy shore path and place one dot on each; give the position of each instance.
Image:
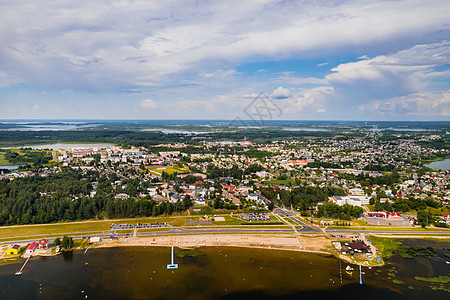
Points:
(268, 241)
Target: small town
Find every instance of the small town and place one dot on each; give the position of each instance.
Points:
(329, 188)
(385, 179)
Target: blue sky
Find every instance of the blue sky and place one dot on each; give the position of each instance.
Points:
(319, 60)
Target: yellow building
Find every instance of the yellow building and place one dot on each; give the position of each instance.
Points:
(14, 250)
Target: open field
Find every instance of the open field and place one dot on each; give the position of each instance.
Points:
(388, 228)
(154, 229)
(131, 231)
(280, 182)
(85, 226)
(158, 170)
(352, 222)
(237, 221)
(3, 161)
(48, 229)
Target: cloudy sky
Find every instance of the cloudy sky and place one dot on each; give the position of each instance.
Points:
(318, 60)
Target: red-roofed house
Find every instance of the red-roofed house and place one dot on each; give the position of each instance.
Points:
(31, 248)
(43, 244)
(194, 185)
(228, 187)
(300, 162)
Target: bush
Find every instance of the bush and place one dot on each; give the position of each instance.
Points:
(67, 242)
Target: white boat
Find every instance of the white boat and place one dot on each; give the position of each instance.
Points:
(18, 273)
(349, 268)
(447, 262)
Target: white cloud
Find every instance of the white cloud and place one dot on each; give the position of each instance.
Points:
(308, 100)
(421, 104)
(133, 44)
(149, 104)
(186, 53)
(288, 78)
(402, 73)
(281, 93)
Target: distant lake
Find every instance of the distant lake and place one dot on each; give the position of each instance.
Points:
(65, 146)
(304, 129)
(173, 131)
(10, 167)
(400, 129)
(217, 273)
(51, 127)
(441, 164)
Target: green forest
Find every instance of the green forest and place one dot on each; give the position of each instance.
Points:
(65, 197)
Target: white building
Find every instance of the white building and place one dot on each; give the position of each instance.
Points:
(356, 200)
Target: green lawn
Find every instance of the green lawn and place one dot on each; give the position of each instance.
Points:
(3, 161)
(49, 229)
(390, 228)
(237, 221)
(122, 231)
(387, 246)
(80, 227)
(154, 229)
(168, 169)
(131, 231)
(280, 182)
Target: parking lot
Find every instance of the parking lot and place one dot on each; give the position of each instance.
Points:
(401, 222)
(139, 226)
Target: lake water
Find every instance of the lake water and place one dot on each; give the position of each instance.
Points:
(173, 131)
(400, 129)
(217, 273)
(47, 127)
(10, 167)
(304, 129)
(65, 146)
(442, 164)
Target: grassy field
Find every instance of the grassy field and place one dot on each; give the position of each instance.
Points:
(390, 228)
(131, 231)
(48, 229)
(168, 169)
(82, 227)
(154, 230)
(280, 182)
(352, 222)
(387, 246)
(3, 161)
(237, 221)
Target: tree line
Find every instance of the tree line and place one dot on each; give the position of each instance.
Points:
(65, 197)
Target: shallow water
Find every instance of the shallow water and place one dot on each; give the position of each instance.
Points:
(441, 164)
(229, 273)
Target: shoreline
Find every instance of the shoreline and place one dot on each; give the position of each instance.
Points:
(318, 244)
(312, 244)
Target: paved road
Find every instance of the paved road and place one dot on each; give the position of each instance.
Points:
(388, 232)
(306, 228)
(290, 216)
(174, 231)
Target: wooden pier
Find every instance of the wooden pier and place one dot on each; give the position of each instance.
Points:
(21, 269)
(172, 265)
